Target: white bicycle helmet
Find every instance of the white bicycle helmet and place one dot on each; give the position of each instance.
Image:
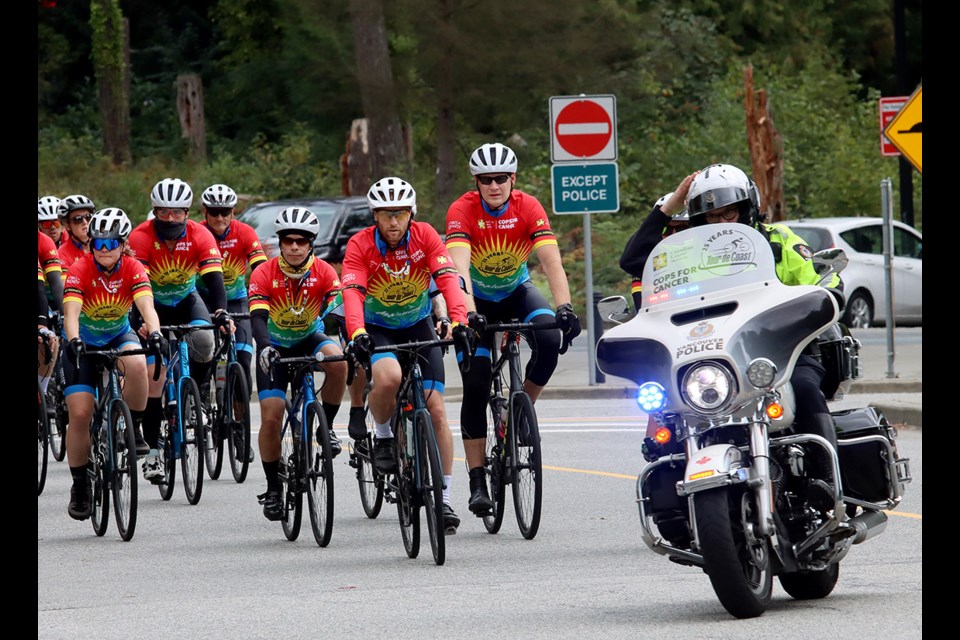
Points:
(219, 196)
(110, 223)
(392, 192)
(297, 220)
(493, 158)
(720, 185)
(48, 208)
(171, 193)
(74, 202)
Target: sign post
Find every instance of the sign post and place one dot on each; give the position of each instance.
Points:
(584, 176)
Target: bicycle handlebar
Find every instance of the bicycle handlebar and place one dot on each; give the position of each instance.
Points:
(114, 354)
(315, 360)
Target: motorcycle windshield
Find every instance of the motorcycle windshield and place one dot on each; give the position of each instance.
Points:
(703, 260)
(712, 292)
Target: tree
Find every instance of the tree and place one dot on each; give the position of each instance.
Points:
(377, 91)
(111, 62)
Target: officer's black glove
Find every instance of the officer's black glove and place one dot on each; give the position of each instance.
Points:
(77, 348)
(477, 322)
(464, 341)
(362, 349)
(569, 325)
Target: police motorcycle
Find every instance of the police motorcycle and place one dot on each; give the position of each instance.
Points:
(726, 489)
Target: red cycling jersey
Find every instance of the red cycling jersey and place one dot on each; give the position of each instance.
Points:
(70, 252)
(173, 272)
(499, 244)
(47, 254)
(294, 307)
(238, 247)
(390, 287)
(105, 298)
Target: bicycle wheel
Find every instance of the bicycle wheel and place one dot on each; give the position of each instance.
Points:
(524, 436)
(99, 496)
(57, 410)
(43, 430)
(212, 440)
(289, 477)
(169, 458)
(238, 429)
(431, 484)
(124, 480)
(191, 455)
(407, 510)
(319, 475)
(493, 464)
(370, 482)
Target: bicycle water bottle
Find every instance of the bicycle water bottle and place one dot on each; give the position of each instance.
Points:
(501, 417)
(221, 374)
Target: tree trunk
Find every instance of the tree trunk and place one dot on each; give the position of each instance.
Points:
(377, 93)
(193, 126)
(446, 125)
(766, 149)
(111, 60)
(358, 158)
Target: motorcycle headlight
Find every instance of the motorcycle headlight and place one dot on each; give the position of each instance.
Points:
(707, 386)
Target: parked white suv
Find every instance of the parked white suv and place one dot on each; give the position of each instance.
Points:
(863, 279)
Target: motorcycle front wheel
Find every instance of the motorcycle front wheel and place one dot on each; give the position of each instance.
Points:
(811, 585)
(738, 563)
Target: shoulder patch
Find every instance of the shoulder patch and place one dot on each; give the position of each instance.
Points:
(805, 252)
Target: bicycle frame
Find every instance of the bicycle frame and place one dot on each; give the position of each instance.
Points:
(178, 372)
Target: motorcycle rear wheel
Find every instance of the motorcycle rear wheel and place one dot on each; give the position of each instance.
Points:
(811, 585)
(739, 568)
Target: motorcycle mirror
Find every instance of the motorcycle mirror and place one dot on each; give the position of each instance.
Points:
(614, 308)
(834, 259)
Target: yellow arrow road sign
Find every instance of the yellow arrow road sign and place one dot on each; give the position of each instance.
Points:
(905, 131)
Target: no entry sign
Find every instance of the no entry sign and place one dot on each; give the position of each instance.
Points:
(583, 128)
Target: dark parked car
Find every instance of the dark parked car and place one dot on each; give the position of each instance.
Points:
(339, 218)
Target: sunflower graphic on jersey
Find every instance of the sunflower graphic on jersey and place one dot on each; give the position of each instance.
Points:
(397, 301)
(171, 280)
(498, 265)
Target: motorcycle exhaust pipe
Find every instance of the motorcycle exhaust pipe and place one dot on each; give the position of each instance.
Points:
(867, 525)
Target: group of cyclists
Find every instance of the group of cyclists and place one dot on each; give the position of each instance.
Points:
(122, 284)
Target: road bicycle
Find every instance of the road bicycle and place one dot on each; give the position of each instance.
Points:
(226, 406)
(181, 431)
(513, 453)
(56, 405)
(369, 479)
(306, 466)
(43, 429)
(112, 468)
(418, 481)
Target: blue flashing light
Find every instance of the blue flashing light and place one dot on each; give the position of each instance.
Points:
(651, 397)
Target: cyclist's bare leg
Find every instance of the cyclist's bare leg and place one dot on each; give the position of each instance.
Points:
(532, 390)
(271, 417)
(442, 429)
(475, 450)
(336, 377)
(386, 381)
(80, 408)
(135, 384)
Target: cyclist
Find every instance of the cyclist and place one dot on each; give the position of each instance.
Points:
(49, 263)
(241, 250)
(288, 294)
(490, 234)
(175, 251)
(46, 337)
(75, 214)
(387, 269)
(100, 291)
(48, 218)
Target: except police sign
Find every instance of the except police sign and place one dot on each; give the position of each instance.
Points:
(583, 128)
(889, 107)
(585, 188)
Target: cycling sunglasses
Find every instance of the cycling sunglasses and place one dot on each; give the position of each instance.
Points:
(486, 180)
(49, 224)
(84, 217)
(104, 244)
(219, 213)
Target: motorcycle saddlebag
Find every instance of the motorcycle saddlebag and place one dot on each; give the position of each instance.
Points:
(864, 466)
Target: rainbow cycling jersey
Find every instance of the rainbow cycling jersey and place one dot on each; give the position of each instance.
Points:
(238, 246)
(499, 244)
(173, 272)
(105, 298)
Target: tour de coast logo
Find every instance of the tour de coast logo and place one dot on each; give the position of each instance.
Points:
(727, 252)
